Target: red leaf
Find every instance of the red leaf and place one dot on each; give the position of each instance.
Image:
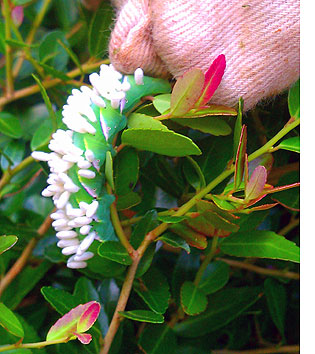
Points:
(213, 78)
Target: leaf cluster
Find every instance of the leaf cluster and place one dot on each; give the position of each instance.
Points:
(217, 186)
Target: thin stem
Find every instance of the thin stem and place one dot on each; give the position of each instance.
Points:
(22, 260)
(270, 350)
(8, 174)
(293, 123)
(8, 50)
(30, 37)
(121, 305)
(261, 270)
(31, 345)
(117, 226)
(208, 258)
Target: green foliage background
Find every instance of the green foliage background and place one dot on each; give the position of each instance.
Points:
(246, 298)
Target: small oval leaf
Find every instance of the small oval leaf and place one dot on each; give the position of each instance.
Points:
(114, 251)
(6, 242)
(9, 321)
(186, 92)
(143, 316)
(193, 299)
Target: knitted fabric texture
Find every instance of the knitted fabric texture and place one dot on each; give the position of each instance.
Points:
(260, 39)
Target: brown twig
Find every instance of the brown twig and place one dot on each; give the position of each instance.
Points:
(121, 305)
(31, 90)
(270, 350)
(22, 260)
(261, 270)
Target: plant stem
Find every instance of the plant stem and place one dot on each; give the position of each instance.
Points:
(31, 90)
(292, 123)
(121, 305)
(117, 226)
(8, 174)
(8, 50)
(31, 345)
(261, 270)
(208, 258)
(30, 37)
(22, 260)
(284, 349)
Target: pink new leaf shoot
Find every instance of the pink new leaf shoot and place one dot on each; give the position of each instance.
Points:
(213, 77)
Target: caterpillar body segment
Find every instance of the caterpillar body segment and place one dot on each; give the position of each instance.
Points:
(79, 154)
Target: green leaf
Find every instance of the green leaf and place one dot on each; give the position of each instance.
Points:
(10, 125)
(128, 200)
(99, 30)
(185, 269)
(154, 290)
(47, 102)
(164, 142)
(174, 241)
(6, 242)
(114, 251)
(193, 173)
(9, 321)
(193, 238)
(226, 305)
(59, 299)
(146, 261)
(109, 173)
(142, 121)
(276, 300)
(209, 111)
(51, 53)
(162, 102)
(142, 316)
(147, 223)
(215, 277)
(211, 125)
(42, 135)
(193, 299)
(186, 92)
(158, 339)
(261, 244)
(169, 219)
(294, 100)
(12, 154)
(126, 168)
(291, 144)
(24, 283)
(18, 44)
(151, 86)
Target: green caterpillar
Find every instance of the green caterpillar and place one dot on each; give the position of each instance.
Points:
(79, 154)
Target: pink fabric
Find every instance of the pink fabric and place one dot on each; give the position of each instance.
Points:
(260, 39)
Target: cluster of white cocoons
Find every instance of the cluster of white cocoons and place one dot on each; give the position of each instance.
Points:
(78, 115)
